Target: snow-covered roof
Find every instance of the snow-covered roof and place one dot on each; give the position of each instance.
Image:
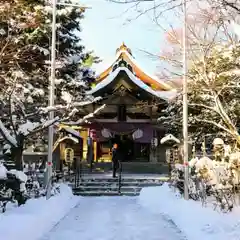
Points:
(168, 138)
(71, 138)
(123, 52)
(132, 59)
(72, 131)
(166, 95)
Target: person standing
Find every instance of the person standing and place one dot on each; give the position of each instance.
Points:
(115, 159)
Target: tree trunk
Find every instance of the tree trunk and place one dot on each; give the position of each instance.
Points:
(17, 152)
(17, 157)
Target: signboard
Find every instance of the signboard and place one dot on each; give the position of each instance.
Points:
(69, 155)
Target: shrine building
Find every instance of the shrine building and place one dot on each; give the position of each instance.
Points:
(133, 102)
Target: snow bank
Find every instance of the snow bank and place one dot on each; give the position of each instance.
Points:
(3, 171)
(195, 221)
(37, 216)
(19, 175)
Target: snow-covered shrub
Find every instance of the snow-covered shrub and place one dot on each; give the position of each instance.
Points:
(12, 186)
(210, 179)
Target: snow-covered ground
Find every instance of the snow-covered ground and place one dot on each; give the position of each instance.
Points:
(195, 221)
(38, 216)
(100, 218)
(158, 213)
(113, 218)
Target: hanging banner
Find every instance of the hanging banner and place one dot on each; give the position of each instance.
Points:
(106, 133)
(137, 134)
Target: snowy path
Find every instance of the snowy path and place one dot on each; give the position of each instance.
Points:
(113, 218)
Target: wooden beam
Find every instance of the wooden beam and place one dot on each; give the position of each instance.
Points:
(150, 109)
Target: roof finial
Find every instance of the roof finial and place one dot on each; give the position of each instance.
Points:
(124, 48)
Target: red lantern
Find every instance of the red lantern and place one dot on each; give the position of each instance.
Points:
(93, 134)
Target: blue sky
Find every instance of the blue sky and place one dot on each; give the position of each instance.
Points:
(105, 27)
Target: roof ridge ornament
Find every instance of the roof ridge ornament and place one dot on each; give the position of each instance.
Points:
(123, 48)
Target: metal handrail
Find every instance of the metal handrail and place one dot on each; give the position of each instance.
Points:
(81, 168)
(76, 177)
(78, 173)
(119, 176)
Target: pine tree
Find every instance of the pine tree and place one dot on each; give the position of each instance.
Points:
(25, 35)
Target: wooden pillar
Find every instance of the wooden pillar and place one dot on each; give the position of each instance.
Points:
(62, 150)
(95, 151)
(84, 135)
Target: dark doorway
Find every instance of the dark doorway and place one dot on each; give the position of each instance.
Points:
(125, 145)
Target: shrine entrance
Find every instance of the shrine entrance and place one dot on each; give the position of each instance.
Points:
(132, 146)
(125, 145)
(133, 103)
(131, 150)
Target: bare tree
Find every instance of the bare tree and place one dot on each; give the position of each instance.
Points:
(231, 5)
(167, 5)
(213, 76)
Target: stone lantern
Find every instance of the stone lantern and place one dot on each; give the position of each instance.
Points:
(218, 149)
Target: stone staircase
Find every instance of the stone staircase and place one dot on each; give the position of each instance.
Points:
(105, 185)
(86, 168)
(128, 167)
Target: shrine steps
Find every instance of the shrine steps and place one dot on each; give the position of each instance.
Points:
(108, 186)
(128, 167)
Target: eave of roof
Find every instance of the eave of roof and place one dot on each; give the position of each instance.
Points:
(165, 95)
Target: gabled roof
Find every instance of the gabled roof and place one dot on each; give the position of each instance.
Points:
(165, 95)
(123, 53)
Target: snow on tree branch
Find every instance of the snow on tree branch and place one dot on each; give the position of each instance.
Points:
(86, 117)
(91, 115)
(6, 134)
(68, 106)
(213, 123)
(25, 30)
(213, 76)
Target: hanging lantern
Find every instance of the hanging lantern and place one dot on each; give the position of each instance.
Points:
(154, 142)
(106, 133)
(168, 155)
(93, 134)
(137, 134)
